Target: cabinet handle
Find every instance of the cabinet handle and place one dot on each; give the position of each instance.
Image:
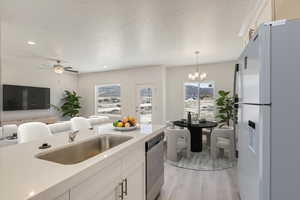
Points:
(121, 195)
(125, 182)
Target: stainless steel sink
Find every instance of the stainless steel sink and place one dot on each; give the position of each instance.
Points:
(78, 152)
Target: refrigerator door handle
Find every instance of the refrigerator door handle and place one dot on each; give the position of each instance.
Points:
(246, 62)
(236, 106)
(235, 95)
(237, 68)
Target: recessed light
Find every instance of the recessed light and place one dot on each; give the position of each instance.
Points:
(105, 66)
(31, 43)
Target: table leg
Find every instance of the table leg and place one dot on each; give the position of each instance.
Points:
(196, 139)
(209, 137)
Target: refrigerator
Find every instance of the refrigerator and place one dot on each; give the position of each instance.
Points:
(268, 122)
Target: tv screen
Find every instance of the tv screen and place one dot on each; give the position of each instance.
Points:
(25, 98)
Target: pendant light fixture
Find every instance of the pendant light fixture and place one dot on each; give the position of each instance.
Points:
(199, 77)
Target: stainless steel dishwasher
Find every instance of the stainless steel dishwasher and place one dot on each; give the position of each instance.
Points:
(154, 166)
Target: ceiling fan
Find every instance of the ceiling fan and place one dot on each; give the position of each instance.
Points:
(59, 68)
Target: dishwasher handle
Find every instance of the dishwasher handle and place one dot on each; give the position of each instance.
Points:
(154, 141)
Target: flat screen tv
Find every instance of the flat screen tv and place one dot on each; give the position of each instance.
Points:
(17, 97)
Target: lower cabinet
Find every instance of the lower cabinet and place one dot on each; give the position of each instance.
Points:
(104, 185)
(134, 181)
(121, 180)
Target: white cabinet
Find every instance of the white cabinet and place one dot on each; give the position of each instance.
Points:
(135, 183)
(102, 186)
(123, 179)
(133, 174)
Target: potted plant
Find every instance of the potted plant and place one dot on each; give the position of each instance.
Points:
(225, 106)
(71, 104)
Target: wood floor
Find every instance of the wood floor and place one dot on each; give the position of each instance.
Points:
(181, 184)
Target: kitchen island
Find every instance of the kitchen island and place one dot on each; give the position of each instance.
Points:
(24, 176)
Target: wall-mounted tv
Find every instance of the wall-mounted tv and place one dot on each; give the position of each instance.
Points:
(17, 97)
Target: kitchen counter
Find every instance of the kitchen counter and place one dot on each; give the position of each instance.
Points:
(23, 176)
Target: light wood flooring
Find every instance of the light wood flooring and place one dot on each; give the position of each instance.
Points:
(182, 184)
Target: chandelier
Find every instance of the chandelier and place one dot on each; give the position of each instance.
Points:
(198, 75)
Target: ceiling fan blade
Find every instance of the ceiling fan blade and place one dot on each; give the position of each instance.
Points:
(55, 59)
(45, 68)
(47, 65)
(71, 70)
(38, 56)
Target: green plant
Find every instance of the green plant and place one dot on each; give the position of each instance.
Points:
(71, 104)
(225, 106)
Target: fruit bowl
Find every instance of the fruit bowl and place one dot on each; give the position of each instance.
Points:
(125, 124)
(125, 129)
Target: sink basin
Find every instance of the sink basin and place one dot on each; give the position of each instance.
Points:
(78, 152)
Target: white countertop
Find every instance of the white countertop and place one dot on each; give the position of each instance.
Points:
(22, 176)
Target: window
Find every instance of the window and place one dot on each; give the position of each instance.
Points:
(145, 105)
(108, 99)
(207, 101)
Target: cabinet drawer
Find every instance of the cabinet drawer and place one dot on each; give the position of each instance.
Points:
(99, 185)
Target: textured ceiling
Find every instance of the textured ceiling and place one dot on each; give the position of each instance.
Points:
(90, 34)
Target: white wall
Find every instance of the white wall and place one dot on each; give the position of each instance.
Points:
(168, 83)
(220, 73)
(128, 79)
(28, 73)
(261, 13)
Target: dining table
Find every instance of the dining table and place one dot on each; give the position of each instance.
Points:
(196, 131)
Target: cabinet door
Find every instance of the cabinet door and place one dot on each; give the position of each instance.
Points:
(111, 191)
(135, 183)
(286, 9)
(101, 186)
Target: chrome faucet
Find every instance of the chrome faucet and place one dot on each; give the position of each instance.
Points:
(72, 135)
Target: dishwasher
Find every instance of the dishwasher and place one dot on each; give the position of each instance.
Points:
(154, 166)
